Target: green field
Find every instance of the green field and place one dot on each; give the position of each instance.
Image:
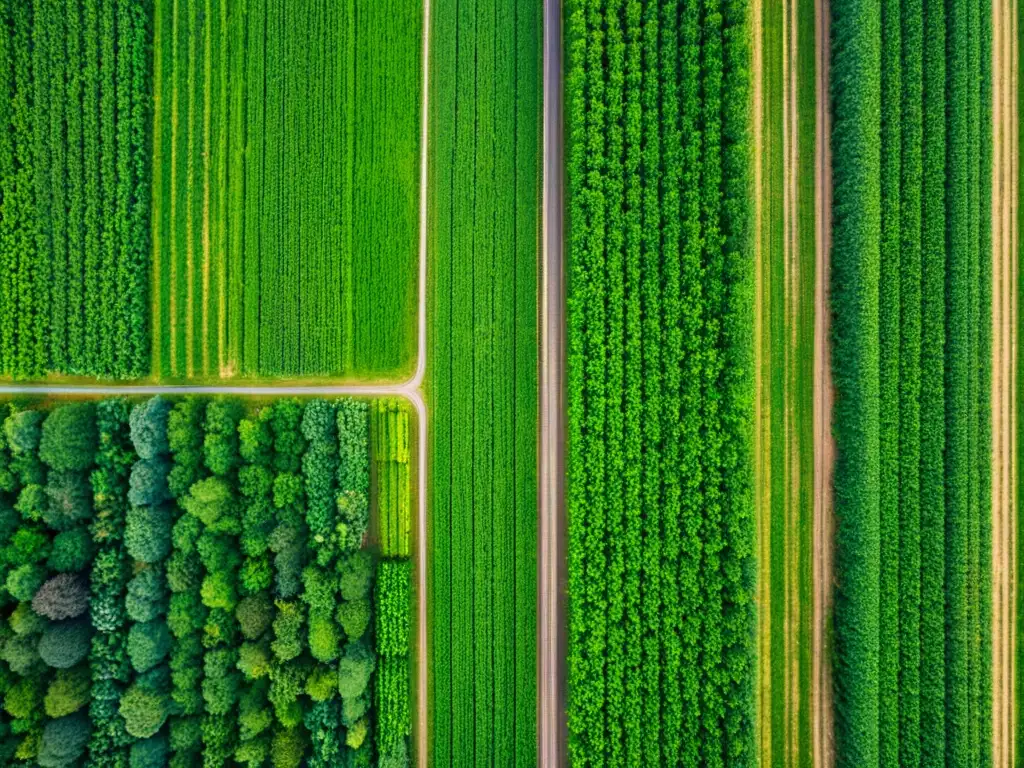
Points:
(785, 322)
(484, 215)
(286, 157)
(660, 384)
(911, 293)
(74, 185)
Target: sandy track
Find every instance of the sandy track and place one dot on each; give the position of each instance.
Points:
(552, 734)
(824, 448)
(762, 459)
(1005, 166)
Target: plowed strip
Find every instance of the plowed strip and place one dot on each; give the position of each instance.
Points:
(824, 450)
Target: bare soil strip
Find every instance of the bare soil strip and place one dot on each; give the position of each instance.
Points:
(552, 733)
(824, 448)
(1005, 165)
(762, 460)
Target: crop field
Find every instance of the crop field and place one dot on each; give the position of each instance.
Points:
(74, 182)
(285, 189)
(484, 215)
(784, 324)
(185, 583)
(660, 384)
(911, 301)
(394, 597)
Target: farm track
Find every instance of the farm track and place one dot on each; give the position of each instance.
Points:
(784, 129)
(1004, 381)
(824, 448)
(552, 736)
(411, 390)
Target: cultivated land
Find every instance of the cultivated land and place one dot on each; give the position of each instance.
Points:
(74, 244)
(483, 240)
(285, 188)
(911, 299)
(784, 348)
(230, 506)
(823, 735)
(660, 384)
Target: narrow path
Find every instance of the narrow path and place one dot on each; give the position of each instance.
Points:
(1004, 381)
(551, 637)
(824, 448)
(411, 390)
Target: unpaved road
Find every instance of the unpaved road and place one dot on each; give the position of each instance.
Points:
(824, 449)
(1005, 166)
(552, 736)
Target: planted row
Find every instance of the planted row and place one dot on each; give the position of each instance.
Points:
(660, 384)
(911, 298)
(74, 181)
(285, 218)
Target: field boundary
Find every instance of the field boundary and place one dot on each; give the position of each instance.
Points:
(552, 726)
(822, 724)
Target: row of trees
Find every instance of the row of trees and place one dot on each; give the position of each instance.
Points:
(911, 297)
(185, 583)
(660, 387)
(74, 187)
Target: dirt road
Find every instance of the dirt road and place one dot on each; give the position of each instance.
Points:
(824, 449)
(551, 636)
(1005, 166)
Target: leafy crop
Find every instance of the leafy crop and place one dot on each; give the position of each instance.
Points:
(660, 384)
(74, 176)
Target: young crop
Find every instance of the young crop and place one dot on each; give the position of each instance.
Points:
(284, 220)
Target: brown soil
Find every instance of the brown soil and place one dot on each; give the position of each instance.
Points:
(1004, 380)
(824, 449)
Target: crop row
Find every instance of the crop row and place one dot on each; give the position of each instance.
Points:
(391, 456)
(660, 384)
(74, 183)
(171, 594)
(483, 234)
(393, 604)
(285, 186)
(911, 296)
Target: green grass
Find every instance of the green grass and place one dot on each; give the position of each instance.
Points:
(786, 481)
(285, 187)
(482, 383)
